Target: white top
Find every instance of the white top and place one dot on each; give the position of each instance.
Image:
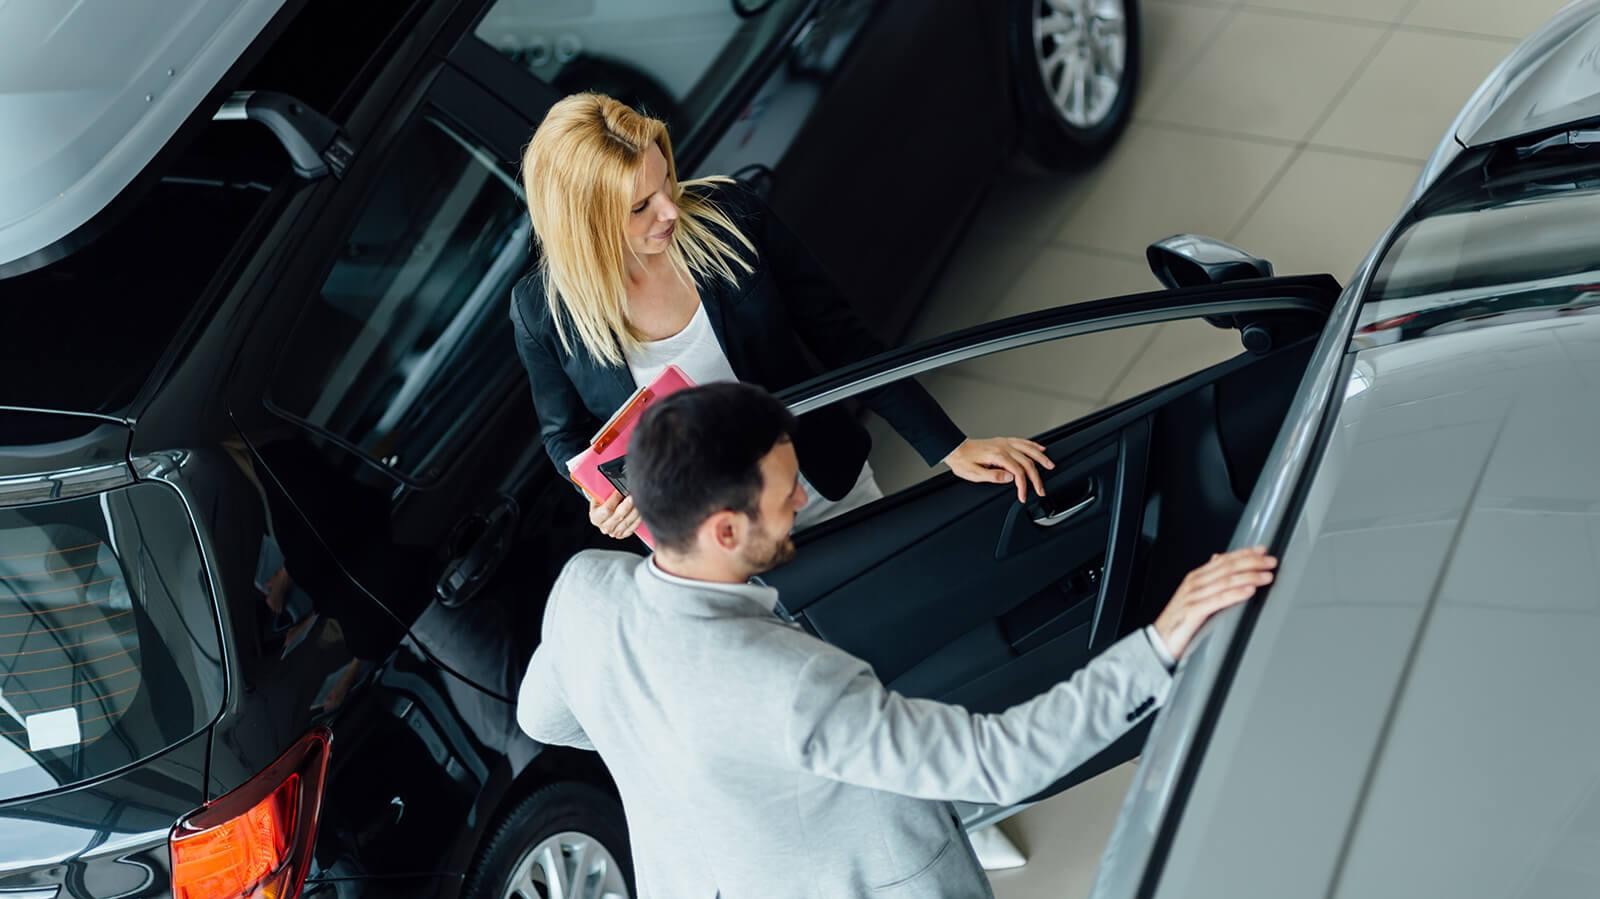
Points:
(694, 349)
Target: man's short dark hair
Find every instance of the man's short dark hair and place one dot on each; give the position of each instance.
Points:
(698, 452)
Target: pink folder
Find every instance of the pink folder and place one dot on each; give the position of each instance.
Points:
(612, 440)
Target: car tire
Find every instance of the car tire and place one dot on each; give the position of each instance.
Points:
(1071, 134)
(550, 834)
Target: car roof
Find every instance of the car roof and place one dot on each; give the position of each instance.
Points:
(1550, 80)
(89, 93)
(1413, 712)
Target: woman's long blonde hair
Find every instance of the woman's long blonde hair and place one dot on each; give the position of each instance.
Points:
(580, 170)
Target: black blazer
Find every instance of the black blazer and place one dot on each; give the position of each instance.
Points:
(765, 325)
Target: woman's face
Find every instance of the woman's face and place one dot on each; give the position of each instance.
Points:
(652, 217)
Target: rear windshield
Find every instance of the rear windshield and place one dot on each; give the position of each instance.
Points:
(85, 332)
(108, 638)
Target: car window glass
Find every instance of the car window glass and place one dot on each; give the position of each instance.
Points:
(1027, 391)
(1529, 258)
(409, 329)
(108, 639)
(674, 61)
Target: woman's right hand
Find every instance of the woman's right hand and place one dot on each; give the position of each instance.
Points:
(616, 517)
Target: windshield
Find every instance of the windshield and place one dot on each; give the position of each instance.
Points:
(1533, 253)
(85, 332)
(108, 639)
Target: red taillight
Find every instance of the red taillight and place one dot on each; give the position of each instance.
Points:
(256, 840)
(1388, 323)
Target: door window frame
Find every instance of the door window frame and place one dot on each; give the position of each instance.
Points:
(482, 124)
(1311, 294)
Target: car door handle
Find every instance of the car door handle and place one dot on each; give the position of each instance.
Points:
(1052, 511)
(478, 545)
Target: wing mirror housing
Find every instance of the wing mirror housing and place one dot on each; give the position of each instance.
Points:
(1194, 260)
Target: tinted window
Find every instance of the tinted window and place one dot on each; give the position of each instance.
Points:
(675, 61)
(409, 330)
(1533, 255)
(1032, 390)
(108, 640)
(85, 332)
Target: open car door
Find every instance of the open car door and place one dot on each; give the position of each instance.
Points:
(956, 591)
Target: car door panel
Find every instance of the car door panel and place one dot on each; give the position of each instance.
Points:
(960, 604)
(953, 591)
(916, 585)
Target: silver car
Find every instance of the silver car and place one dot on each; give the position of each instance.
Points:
(1412, 710)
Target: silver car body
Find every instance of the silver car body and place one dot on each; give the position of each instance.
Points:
(1412, 713)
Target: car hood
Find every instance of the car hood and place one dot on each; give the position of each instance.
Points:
(1414, 711)
(1552, 79)
(89, 92)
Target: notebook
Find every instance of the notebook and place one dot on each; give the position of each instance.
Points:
(601, 470)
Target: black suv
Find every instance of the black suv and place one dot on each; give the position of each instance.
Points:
(275, 527)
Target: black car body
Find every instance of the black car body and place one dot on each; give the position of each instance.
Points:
(255, 374)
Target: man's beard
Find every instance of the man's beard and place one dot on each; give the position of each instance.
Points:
(770, 554)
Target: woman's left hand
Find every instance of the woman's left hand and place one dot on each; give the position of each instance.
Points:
(1001, 460)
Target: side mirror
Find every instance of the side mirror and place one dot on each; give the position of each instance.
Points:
(1190, 260)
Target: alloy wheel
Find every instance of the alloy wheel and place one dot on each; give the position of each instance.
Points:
(1081, 47)
(568, 865)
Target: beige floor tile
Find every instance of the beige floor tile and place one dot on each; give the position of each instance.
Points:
(1508, 18)
(1327, 212)
(1385, 11)
(982, 409)
(1020, 214)
(1173, 36)
(1179, 349)
(1410, 93)
(1063, 838)
(1056, 276)
(1161, 181)
(895, 464)
(1270, 75)
(987, 409)
(973, 285)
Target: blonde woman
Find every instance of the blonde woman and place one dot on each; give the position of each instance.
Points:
(640, 271)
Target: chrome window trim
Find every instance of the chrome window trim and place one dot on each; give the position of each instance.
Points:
(880, 376)
(166, 468)
(22, 490)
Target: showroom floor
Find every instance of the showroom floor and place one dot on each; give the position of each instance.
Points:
(1293, 128)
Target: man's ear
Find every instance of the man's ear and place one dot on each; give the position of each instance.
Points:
(722, 530)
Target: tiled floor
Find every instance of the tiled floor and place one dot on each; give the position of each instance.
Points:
(1293, 128)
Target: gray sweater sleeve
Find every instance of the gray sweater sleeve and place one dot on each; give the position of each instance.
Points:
(844, 724)
(542, 710)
